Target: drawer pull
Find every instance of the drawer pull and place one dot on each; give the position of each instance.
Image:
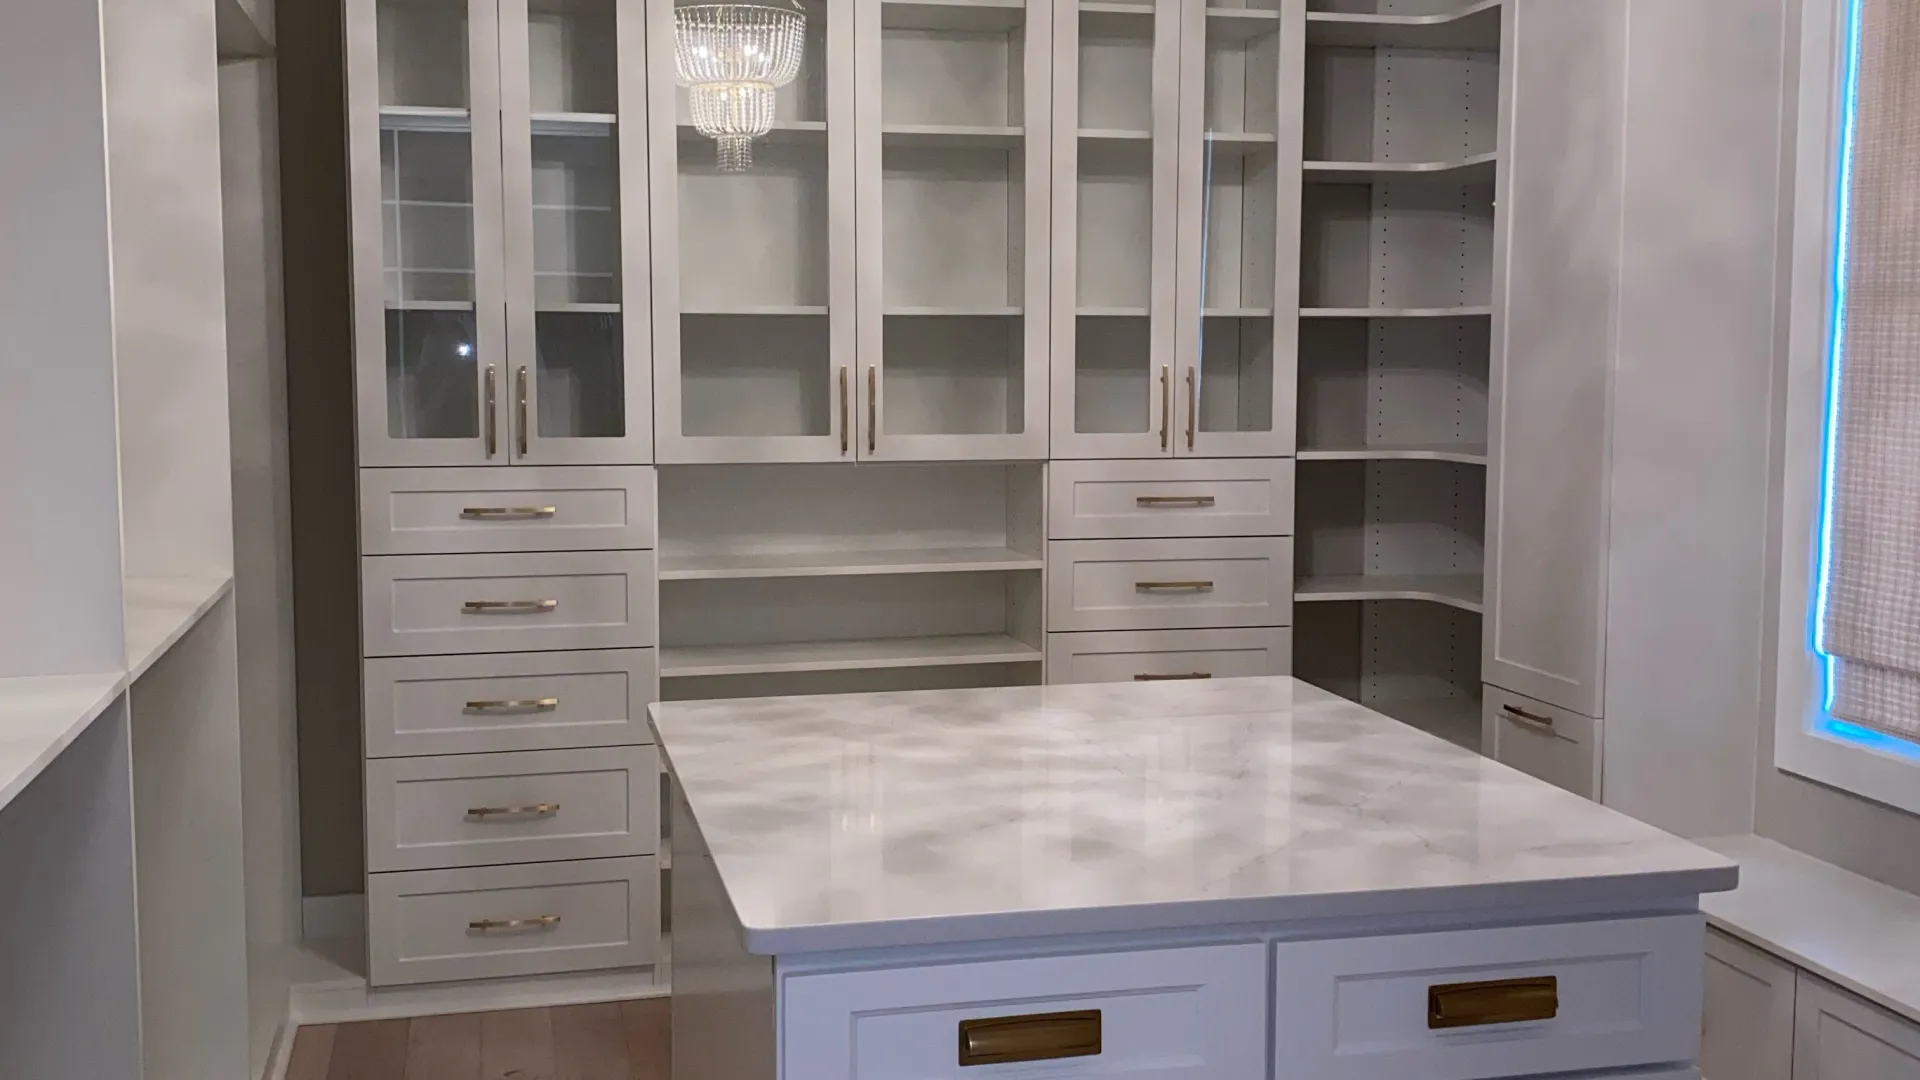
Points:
(1173, 678)
(1502, 1001)
(1535, 720)
(1161, 502)
(537, 922)
(544, 809)
(1003, 1040)
(543, 704)
(508, 607)
(514, 513)
(1173, 586)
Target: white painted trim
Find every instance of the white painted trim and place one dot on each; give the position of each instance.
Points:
(1802, 745)
(327, 917)
(349, 1000)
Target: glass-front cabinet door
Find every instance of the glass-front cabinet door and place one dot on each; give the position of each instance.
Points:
(1116, 153)
(1240, 178)
(573, 104)
(430, 343)
(753, 225)
(954, 138)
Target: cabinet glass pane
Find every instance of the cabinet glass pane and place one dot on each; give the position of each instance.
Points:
(426, 205)
(1115, 387)
(953, 179)
(574, 95)
(754, 260)
(1241, 170)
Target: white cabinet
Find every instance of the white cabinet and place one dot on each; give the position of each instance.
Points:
(1836, 1036)
(1169, 584)
(1543, 741)
(1167, 655)
(1748, 1030)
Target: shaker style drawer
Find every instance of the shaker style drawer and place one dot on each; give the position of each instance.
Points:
(1543, 741)
(1515, 1001)
(1177, 1014)
(502, 921)
(419, 705)
(1166, 655)
(1108, 500)
(488, 809)
(1169, 584)
(424, 605)
(525, 508)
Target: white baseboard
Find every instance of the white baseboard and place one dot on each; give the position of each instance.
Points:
(349, 1002)
(327, 917)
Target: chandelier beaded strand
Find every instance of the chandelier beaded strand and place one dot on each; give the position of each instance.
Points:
(731, 58)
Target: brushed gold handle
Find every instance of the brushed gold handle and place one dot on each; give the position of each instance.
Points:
(1545, 723)
(520, 407)
(489, 415)
(1152, 502)
(1004, 1040)
(873, 409)
(1166, 406)
(1173, 586)
(537, 922)
(1193, 404)
(845, 416)
(484, 812)
(495, 513)
(1501, 1001)
(508, 607)
(1173, 678)
(545, 704)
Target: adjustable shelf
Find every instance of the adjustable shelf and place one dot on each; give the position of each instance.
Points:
(1461, 453)
(1475, 26)
(424, 118)
(1462, 591)
(680, 662)
(1241, 24)
(578, 124)
(784, 131)
(1462, 312)
(953, 136)
(1474, 169)
(846, 563)
(963, 15)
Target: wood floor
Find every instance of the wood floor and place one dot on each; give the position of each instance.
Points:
(611, 1041)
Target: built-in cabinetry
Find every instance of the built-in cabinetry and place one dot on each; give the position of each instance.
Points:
(1767, 1020)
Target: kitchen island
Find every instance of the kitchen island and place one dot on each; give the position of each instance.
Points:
(1223, 880)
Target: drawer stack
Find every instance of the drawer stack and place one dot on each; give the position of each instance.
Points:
(513, 808)
(1166, 570)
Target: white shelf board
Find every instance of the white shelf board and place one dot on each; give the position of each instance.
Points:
(574, 123)
(1455, 719)
(1124, 136)
(1474, 169)
(1113, 312)
(783, 131)
(41, 716)
(845, 563)
(430, 305)
(160, 611)
(1240, 24)
(1464, 453)
(1236, 313)
(577, 309)
(963, 310)
(1233, 144)
(1116, 18)
(954, 651)
(1475, 26)
(1461, 591)
(1465, 312)
(760, 309)
(953, 136)
(969, 15)
(424, 118)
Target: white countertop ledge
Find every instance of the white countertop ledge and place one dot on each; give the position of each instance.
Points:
(939, 817)
(160, 611)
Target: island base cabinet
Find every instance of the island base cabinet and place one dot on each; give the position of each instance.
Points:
(1837, 1036)
(1175, 1014)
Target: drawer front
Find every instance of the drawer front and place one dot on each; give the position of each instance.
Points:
(602, 913)
(425, 605)
(491, 809)
(1583, 996)
(1169, 584)
(1162, 655)
(1543, 741)
(421, 705)
(1178, 1014)
(1115, 500)
(456, 511)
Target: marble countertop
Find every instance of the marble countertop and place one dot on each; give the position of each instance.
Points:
(882, 820)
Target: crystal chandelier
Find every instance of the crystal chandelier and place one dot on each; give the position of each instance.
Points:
(731, 58)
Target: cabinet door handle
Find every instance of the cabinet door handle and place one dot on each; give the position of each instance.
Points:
(1166, 406)
(537, 922)
(1173, 586)
(1502, 1001)
(496, 513)
(1173, 678)
(545, 809)
(520, 407)
(873, 409)
(508, 607)
(489, 418)
(544, 704)
(1193, 403)
(1161, 502)
(846, 417)
(1003, 1040)
(1520, 715)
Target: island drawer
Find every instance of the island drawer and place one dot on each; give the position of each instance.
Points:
(525, 508)
(424, 605)
(1106, 1015)
(489, 809)
(1165, 655)
(1114, 500)
(1475, 1004)
(1169, 584)
(512, 921)
(1541, 740)
(489, 702)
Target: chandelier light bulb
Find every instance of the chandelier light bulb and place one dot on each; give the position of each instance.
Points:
(732, 58)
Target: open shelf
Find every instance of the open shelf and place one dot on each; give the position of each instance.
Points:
(1462, 453)
(761, 309)
(1112, 312)
(1241, 24)
(1455, 719)
(575, 124)
(967, 15)
(424, 118)
(1461, 591)
(1464, 311)
(982, 311)
(953, 136)
(1418, 663)
(698, 567)
(1475, 26)
(1120, 136)
(1474, 169)
(678, 662)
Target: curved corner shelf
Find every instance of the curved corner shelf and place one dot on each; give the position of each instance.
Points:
(684, 662)
(1475, 26)
(1461, 453)
(1474, 169)
(1470, 311)
(1461, 591)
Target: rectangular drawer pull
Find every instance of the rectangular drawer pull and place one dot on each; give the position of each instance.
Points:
(1502, 1001)
(1173, 586)
(484, 812)
(537, 922)
(1173, 678)
(509, 607)
(490, 513)
(1002, 1040)
(1157, 502)
(545, 704)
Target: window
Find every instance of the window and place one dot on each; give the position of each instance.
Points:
(1879, 760)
